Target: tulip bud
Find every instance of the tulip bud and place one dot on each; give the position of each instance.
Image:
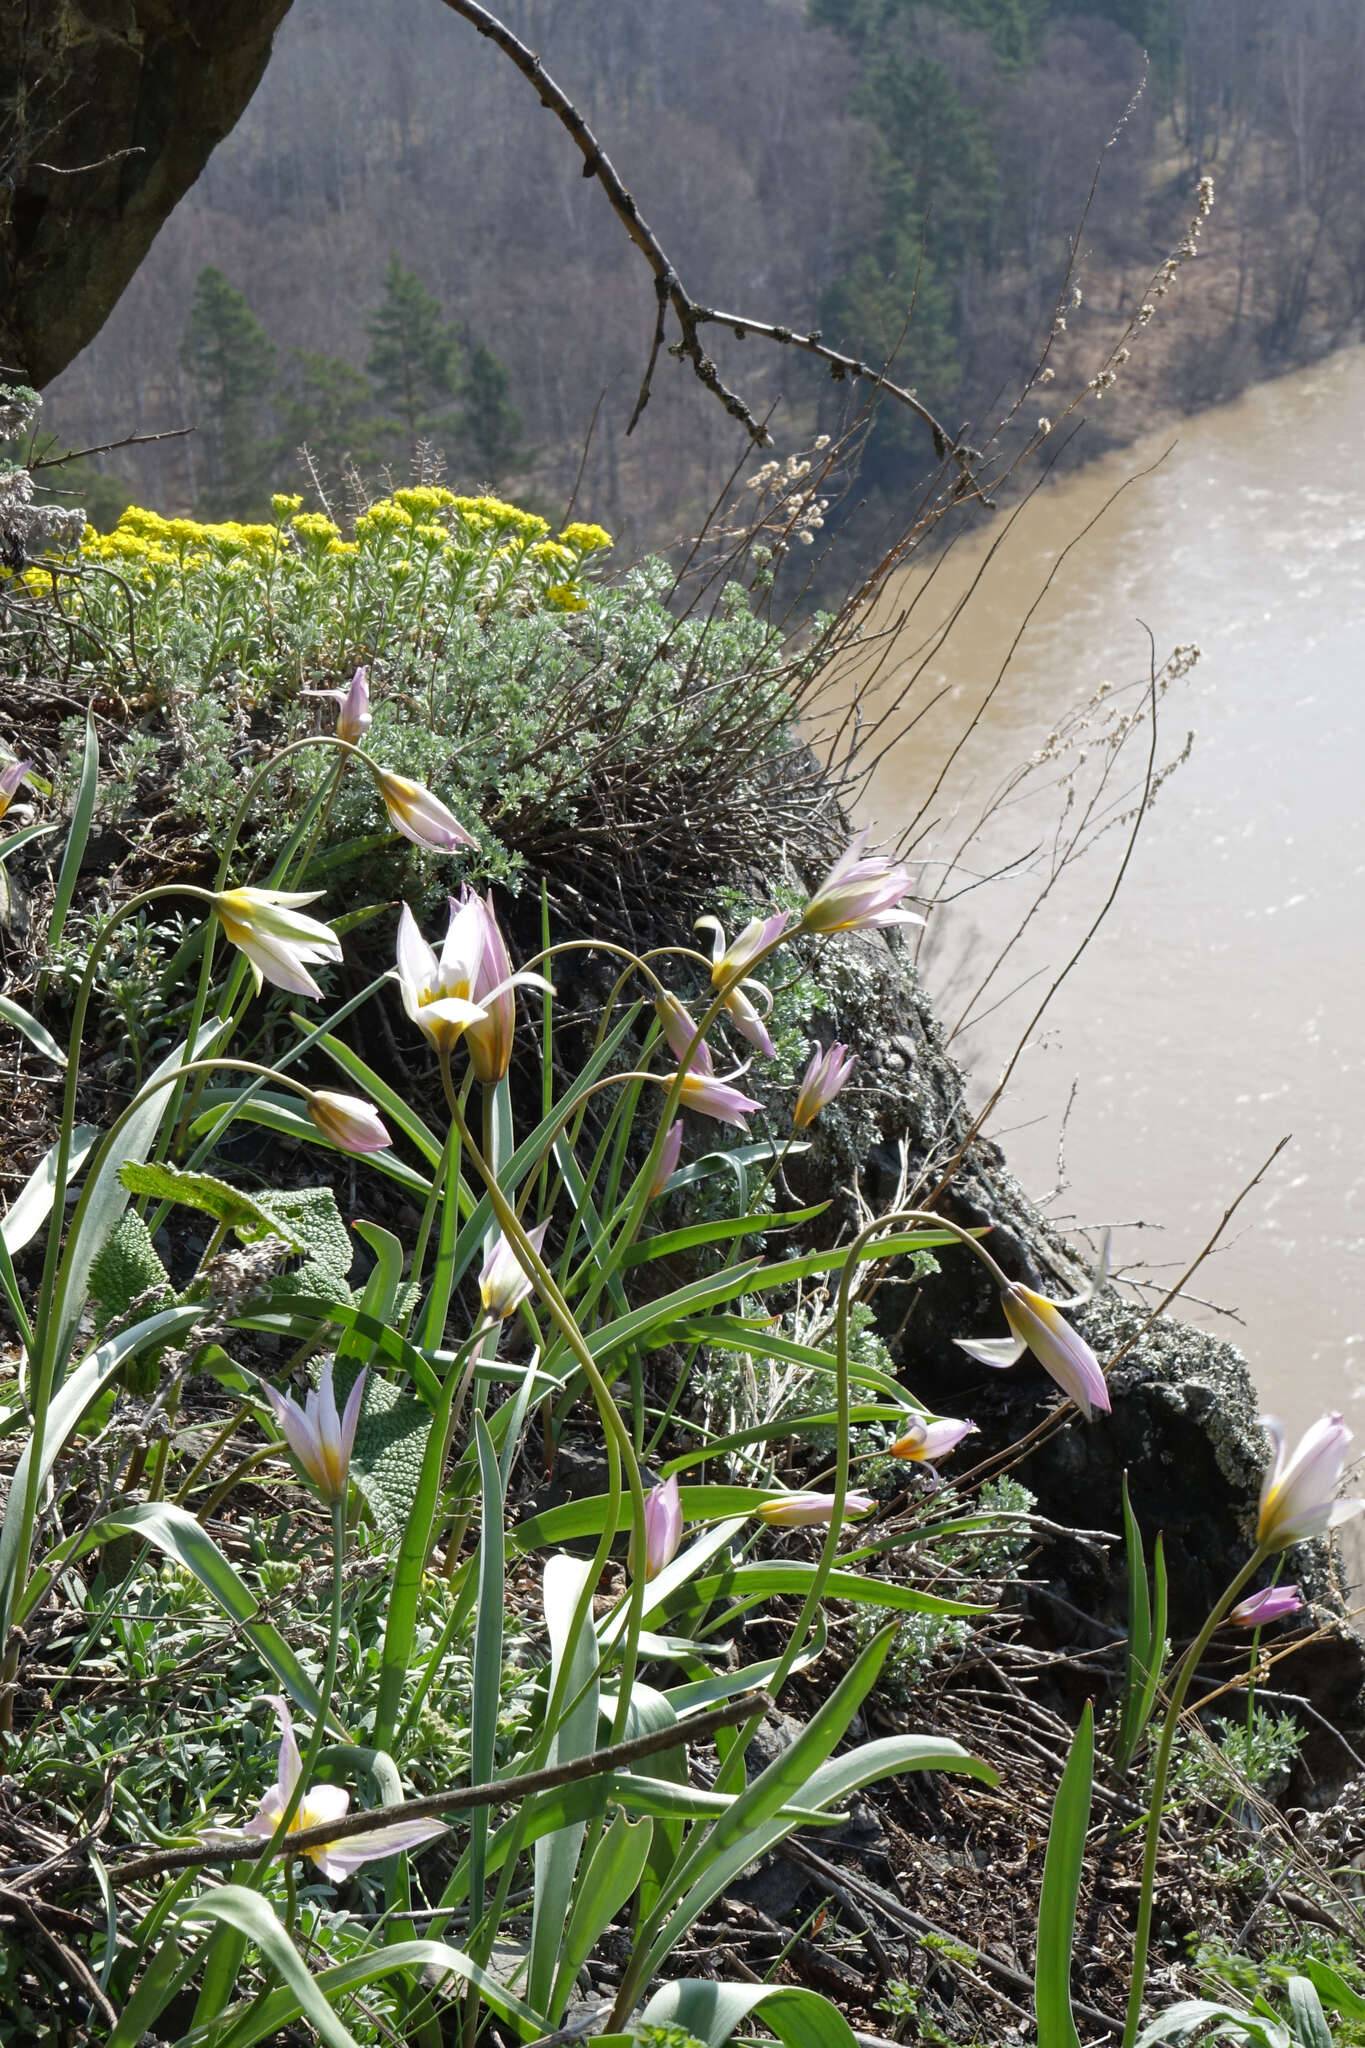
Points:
(348, 1121)
(663, 1527)
(801, 1510)
(504, 1282)
(419, 815)
(825, 1075)
(1276, 1603)
(668, 1160)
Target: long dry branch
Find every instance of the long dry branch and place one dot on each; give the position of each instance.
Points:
(690, 313)
(459, 1799)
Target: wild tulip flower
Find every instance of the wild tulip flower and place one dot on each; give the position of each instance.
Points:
(924, 1441)
(348, 1121)
(663, 1527)
(489, 1041)
(265, 924)
(709, 1096)
(1276, 1603)
(324, 1803)
(1040, 1327)
(504, 1282)
(679, 1031)
(438, 995)
(1298, 1496)
(11, 775)
(668, 1159)
(860, 893)
(802, 1510)
(729, 965)
(354, 716)
(420, 815)
(824, 1077)
(320, 1439)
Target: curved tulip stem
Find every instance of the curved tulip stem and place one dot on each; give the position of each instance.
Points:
(319, 1735)
(563, 1317)
(1184, 1673)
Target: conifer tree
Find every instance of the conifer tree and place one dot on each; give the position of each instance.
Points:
(414, 354)
(492, 426)
(330, 410)
(231, 360)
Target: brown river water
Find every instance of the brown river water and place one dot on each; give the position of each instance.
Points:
(1220, 1005)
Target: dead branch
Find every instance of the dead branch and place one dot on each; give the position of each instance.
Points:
(690, 313)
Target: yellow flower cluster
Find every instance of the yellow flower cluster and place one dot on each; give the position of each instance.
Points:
(587, 540)
(421, 500)
(486, 515)
(147, 539)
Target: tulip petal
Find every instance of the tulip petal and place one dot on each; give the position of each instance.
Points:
(997, 1352)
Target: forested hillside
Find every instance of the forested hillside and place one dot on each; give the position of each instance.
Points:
(396, 244)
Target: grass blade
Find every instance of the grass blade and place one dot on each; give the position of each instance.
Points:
(1061, 1890)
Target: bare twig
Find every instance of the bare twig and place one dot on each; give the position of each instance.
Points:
(460, 1799)
(690, 314)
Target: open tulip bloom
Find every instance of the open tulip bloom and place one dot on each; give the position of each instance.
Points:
(1298, 1497)
(438, 995)
(824, 1077)
(353, 707)
(707, 1095)
(860, 893)
(320, 1438)
(1040, 1327)
(278, 941)
(804, 1510)
(729, 965)
(1276, 1603)
(323, 1803)
(419, 814)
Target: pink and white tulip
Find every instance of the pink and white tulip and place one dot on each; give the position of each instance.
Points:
(804, 1510)
(925, 1441)
(824, 1077)
(489, 1041)
(11, 775)
(348, 1121)
(1276, 1603)
(679, 1030)
(322, 1804)
(730, 965)
(419, 814)
(1298, 1497)
(663, 1527)
(280, 945)
(354, 716)
(504, 1283)
(860, 893)
(668, 1159)
(1040, 1327)
(706, 1095)
(320, 1438)
(439, 995)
